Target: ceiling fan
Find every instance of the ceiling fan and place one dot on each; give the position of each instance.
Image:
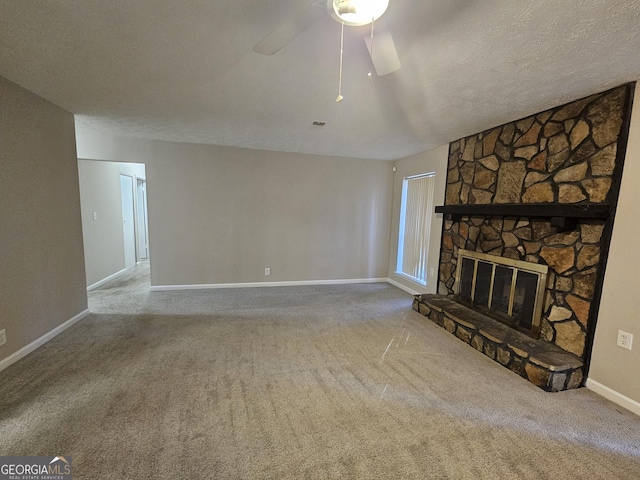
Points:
(384, 56)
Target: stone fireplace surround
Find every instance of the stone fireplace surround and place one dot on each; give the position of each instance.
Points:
(542, 189)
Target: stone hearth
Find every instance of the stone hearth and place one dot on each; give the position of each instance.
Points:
(542, 363)
(505, 187)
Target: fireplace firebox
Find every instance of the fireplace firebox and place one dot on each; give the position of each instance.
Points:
(510, 291)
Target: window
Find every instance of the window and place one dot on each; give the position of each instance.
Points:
(416, 212)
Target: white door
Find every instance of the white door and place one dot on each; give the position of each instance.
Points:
(141, 205)
(128, 221)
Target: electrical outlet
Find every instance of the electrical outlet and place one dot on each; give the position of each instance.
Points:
(267, 272)
(3, 337)
(625, 339)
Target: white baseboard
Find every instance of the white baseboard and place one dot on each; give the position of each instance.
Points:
(164, 288)
(614, 396)
(403, 287)
(105, 280)
(24, 351)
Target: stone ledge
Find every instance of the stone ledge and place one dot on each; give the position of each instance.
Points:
(542, 363)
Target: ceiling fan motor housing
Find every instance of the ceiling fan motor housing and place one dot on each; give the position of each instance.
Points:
(346, 7)
(356, 12)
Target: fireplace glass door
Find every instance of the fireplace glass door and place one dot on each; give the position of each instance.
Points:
(508, 290)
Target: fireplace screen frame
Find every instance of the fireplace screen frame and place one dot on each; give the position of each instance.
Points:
(541, 271)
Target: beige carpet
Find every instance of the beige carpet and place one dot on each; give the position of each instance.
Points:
(327, 382)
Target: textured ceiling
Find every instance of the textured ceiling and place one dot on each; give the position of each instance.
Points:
(185, 70)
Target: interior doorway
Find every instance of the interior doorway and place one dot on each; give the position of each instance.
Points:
(128, 221)
(141, 210)
(115, 220)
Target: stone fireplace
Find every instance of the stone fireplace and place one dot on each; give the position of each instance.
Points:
(541, 190)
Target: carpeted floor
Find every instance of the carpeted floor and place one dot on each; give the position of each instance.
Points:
(326, 382)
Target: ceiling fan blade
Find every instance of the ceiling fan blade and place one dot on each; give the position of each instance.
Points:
(290, 29)
(384, 56)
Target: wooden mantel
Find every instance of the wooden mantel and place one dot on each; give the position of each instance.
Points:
(561, 215)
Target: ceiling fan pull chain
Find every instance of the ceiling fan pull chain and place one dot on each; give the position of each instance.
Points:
(370, 75)
(340, 97)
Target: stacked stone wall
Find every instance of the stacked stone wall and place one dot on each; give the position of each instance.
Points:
(566, 155)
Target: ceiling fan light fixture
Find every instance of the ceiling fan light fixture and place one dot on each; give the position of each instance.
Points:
(355, 13)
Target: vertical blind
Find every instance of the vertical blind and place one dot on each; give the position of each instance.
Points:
(415, 226)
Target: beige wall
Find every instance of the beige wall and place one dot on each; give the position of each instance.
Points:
(43, 281)
(220, 215)
(103, 237)
(432, 161)
(611, 366)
